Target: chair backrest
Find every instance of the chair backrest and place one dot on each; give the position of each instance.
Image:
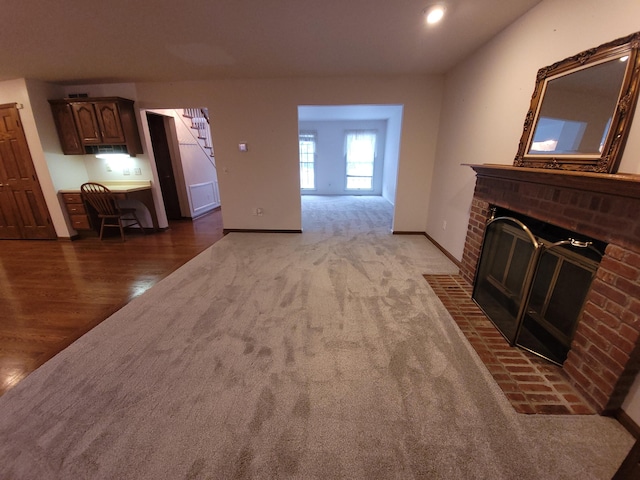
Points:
(100, 198)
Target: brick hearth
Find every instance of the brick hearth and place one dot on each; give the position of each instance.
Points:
(605, 356)
(531, 384)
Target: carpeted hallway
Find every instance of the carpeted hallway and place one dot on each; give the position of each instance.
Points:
(316, 355)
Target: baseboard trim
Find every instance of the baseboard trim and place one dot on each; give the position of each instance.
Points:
(253, 230)
(438, 246)
(627, 422)
(215, 209)
(443, 250)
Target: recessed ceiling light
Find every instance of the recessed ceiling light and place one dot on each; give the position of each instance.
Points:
(434, 14)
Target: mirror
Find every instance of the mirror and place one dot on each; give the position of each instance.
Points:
(581, 110)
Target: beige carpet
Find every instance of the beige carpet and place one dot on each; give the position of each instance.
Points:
(318, 355)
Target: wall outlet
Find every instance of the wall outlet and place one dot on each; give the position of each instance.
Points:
(444, 224)
(126, 171)
(137, 171)
(258, 212)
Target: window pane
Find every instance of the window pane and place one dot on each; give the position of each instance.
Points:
(360, 169)
(307, 145)
(360, 157)
(307, 177)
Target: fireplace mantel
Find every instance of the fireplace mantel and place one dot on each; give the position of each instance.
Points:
(620, 184)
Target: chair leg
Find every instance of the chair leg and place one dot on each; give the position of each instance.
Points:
(139, 224)
(102, 227)
(121, 228)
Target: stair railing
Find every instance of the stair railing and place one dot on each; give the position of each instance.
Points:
(200, 122)
(201, 125)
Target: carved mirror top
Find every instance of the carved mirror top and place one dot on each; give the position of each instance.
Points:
(581, 109)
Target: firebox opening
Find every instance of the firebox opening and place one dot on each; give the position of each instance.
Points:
(532, 280)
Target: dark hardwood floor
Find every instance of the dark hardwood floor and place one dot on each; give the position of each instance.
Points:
(53, 292)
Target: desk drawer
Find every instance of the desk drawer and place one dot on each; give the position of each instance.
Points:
(76, 209)
(72, 198)
(80, 222)
(77, 213)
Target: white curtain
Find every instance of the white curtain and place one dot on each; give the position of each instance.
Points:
(361, 149)
(360, 153)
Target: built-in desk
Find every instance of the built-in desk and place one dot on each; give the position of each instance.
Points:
(139, 191)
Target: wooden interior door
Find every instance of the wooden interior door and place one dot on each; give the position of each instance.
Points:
(23, 211)
(166, 176)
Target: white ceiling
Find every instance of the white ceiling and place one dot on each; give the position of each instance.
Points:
(88, 41)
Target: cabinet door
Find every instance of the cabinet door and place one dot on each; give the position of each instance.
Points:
(66, 126)
(87, 123)
(109, 122)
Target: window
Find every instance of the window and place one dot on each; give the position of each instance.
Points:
(307, 141)
(360, 156)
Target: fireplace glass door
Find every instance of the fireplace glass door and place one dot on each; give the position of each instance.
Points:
(562, 280)
(531, 288)
(505, 268)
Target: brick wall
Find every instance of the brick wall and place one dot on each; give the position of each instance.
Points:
(475, 231)
(605, 356)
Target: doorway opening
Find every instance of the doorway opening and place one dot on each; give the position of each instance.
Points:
(349, 150)
(162, 154)
(184, 160)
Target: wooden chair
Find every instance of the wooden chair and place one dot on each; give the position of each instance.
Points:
(105, 204)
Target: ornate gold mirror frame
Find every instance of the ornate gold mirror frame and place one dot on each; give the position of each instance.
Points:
(581, 109)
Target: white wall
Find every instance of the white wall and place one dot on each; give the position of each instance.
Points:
(487, 97)
(264, 113)
(391, 155)
(330, 169)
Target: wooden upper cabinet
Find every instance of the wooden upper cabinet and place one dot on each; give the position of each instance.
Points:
(65, 124)
(109, 121)
(87, 123)
(96, 122)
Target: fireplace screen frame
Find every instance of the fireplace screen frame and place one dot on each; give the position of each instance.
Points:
(505, 282)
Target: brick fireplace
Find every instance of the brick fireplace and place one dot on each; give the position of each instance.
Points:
(605, 353)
